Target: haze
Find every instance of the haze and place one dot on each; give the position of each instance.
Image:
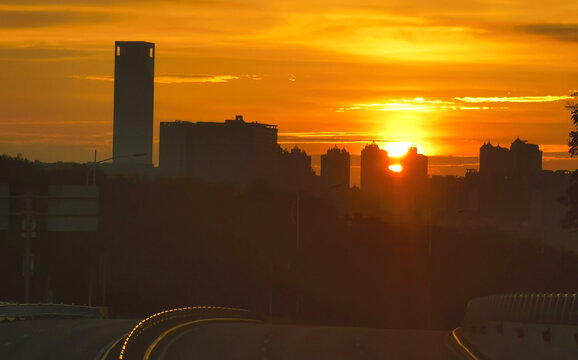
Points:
(445, 76)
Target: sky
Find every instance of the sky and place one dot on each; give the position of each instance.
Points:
(444, 75)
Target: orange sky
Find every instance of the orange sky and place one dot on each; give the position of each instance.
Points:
(444, 75)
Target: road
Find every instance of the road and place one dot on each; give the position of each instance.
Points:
(222, 341)
(64, 339)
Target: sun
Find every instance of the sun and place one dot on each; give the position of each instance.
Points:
(397, 149)
(395, 168)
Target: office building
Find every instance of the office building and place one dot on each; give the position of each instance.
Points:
(234, 151)
(134, 70)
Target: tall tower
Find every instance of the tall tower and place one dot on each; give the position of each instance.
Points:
(134, 70)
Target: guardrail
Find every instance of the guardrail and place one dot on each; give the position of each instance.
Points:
(522, 326)
(31, 311)
(539, 308)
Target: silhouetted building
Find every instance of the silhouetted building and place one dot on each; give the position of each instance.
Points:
(134, 70)
(297, 165)
(374, 167)
(176, 155)
(526, 159)
(414, 165)
(523, 160)
(335, 167)
(234, 151)
(494, 160)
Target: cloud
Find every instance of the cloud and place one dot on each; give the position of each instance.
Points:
(33, 19)
(514, 99)
(564, 32)
(418, 104)
(421, 104)
(181, 79)
(203, 78)
(15, 137)
(40, 53)
(328, 137)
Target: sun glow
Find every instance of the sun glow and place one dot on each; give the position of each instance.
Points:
(395, 168)
(397, 149)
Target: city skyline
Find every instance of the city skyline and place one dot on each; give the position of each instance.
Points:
(346, 74)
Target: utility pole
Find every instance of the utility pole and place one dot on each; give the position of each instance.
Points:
(297, 249)
(94, 169)
(28, 232)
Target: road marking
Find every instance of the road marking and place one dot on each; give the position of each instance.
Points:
(157, 315)
(464, 347)
(105, 351)
(155, 343)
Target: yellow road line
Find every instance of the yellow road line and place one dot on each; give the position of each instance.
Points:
(107, 352)
(464, 347)
(188, 308)
(155, 343)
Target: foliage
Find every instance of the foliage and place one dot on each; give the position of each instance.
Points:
(573, 141)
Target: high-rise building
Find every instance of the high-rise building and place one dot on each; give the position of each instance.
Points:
(523, 160)
(414, 165)
(234, 151)
(374, 168)
(296, 165)
(526, 159)
(335, 167)
(134, 70)
(494, 160)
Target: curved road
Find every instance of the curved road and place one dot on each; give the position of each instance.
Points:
(236, 340)
(88, 339)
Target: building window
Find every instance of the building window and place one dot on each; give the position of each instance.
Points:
(151, 52)
(118, 51)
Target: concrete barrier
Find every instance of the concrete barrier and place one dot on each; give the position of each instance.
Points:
(541, 308)
(34, 311)
(523, 326)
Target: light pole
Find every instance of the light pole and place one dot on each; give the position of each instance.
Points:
(103, 262)
(95, 163)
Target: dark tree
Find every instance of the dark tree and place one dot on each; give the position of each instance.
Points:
(573, 141)
(572, 199)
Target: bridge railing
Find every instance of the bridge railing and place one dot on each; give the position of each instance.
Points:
(540, 308)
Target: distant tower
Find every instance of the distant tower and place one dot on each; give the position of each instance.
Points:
(374, 165)
(134, 70)
(335, 167)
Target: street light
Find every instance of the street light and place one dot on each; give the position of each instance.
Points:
(94, 163)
